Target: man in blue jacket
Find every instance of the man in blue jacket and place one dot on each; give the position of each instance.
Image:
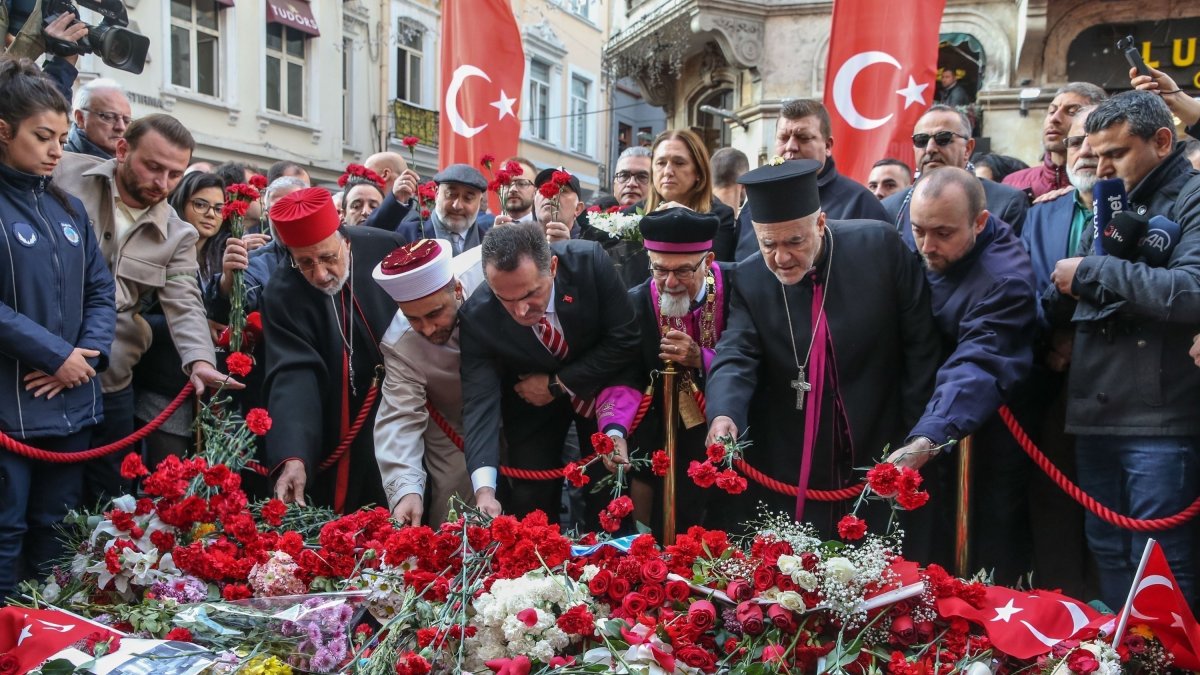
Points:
(981, 290)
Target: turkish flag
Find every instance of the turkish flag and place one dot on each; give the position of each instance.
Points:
(34, 635)
(1024, 624)
(1156, 602)
(483, 71)
(879, 79)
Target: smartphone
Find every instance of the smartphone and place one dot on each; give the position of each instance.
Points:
(1132, 54)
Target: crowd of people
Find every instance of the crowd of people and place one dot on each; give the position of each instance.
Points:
(828, 324)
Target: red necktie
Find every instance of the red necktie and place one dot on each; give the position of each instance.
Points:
(556, 344)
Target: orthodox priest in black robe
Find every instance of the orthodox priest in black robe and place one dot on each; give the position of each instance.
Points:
(818, 406)
(323, 317)
(681, 311)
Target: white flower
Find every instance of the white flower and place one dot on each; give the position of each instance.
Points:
(805, 579)
(789, 565)
(589, 572)
(792, 600)
(840, 570)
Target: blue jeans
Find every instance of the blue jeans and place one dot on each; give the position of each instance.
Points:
(34, 498)
(1142, 477)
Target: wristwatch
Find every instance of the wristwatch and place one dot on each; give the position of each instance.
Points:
(555, 387)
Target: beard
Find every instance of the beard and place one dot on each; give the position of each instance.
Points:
(146, 197)
(674, 304)
(1084, 182)
(335, 288)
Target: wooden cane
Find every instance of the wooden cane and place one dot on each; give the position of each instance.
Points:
(962, 522)
(670, 417)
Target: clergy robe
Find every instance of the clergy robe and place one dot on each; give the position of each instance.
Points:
(305, 374)
(616, 407)
(881, 368)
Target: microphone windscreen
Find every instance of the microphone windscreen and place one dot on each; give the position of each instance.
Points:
(1108, 199)
(1121, 236)
(1157, 244)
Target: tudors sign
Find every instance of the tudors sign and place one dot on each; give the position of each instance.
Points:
(294, 13)
(1169, 46)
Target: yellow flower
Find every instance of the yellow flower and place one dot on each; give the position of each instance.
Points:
(1142, 630)
(270, 665)
(203, 530)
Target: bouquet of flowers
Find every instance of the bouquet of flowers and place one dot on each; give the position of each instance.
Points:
(615, 224)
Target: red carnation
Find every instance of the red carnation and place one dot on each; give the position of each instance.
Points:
(912, 500)
(259, 181)
(660, 462)
(233, 592)
(884, 479)
(258, 421)
(239, 364)
(602, 443)
(575, 475)
(132, 467)
(179, 634)
(411, 663)
(729, 481)
(577, 621)
(560, 178)
(549, 190)
(851, 527)
(621, 506)
(235, 207)
(424, 213)
(715, 452)
(514, 168)
(410, 141)
(273, 512)
(703, 474)
(487, 160)
(594, 208)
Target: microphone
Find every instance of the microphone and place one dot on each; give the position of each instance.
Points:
(1158, 242)
(1108, 199)
(1123, 234)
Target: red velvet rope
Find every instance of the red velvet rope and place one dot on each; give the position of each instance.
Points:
(347, 440)
(1075, 492)
(29, 452)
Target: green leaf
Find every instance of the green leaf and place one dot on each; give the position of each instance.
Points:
(58, 667)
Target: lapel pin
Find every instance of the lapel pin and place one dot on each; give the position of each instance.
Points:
(568, 299)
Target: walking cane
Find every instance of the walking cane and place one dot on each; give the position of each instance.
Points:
(669, 420)
(962, 522)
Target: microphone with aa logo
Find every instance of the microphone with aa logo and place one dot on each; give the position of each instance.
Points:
(1108, 199)
(1156, 246)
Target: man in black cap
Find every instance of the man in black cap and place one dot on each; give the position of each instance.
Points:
(681, 312)
(823, 365)
(458, 215)
(557, 213)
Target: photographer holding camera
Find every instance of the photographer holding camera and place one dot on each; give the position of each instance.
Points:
(24, 37)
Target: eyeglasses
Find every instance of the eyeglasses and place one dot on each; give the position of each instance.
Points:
(942, 138)
(683, 274)
(1074, 141)
(324, 260)
(110, 117)
(521, 183)
(203, 206)
(642, 177)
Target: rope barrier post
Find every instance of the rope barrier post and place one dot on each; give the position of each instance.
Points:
(962, 520)
(669, 419)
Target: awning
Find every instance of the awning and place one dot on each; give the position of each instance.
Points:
(224, 3)
(294, 14)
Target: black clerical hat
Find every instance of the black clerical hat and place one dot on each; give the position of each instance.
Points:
(782, 191)
(678, 230)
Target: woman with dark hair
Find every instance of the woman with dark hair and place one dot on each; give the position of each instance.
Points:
(680, 176)
(198, 199)
(995, 167)
(57, 319)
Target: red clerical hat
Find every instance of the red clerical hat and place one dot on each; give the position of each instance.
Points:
(304, 217)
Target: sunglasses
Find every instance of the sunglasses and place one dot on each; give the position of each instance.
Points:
(942, 138)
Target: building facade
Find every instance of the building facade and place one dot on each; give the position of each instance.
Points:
(746, 57)
(257, 82)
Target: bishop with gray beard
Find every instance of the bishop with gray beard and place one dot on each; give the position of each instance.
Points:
(681, 312)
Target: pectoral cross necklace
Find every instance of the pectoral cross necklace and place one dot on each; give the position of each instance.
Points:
(800, 384)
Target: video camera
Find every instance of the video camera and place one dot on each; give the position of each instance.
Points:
(117, 46)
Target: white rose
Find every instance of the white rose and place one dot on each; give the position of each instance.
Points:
(805, 579)
(840, 570)
(792, 600)
(789, 564)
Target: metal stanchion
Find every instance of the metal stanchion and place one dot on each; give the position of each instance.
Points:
(962, 520)
(670, 419)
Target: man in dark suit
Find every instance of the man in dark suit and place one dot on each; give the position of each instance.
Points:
(538, 343)
(942, 137)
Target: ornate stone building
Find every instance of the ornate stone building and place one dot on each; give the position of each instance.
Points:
(700, 59)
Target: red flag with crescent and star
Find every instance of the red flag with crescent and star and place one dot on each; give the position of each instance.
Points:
(1024, 624)
(483, 71)
(33, 635)
(1156, 602)
(879, 79)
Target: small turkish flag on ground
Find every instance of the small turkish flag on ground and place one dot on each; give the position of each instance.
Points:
(880, 78)
(483, 70)
(1156, 602)
(34, 635)
(1023, 624)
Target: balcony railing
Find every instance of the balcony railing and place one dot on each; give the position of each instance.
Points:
(412, 120)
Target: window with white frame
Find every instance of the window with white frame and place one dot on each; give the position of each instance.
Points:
(287, 51)
(578, 126)
(409, 50)
(195, 46)
(580, 8)
(539, 99)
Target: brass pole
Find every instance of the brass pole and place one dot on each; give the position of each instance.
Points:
(962, 521)
(670, 418)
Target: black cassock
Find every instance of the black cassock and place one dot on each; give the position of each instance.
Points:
(885, 354)
(305, 353)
